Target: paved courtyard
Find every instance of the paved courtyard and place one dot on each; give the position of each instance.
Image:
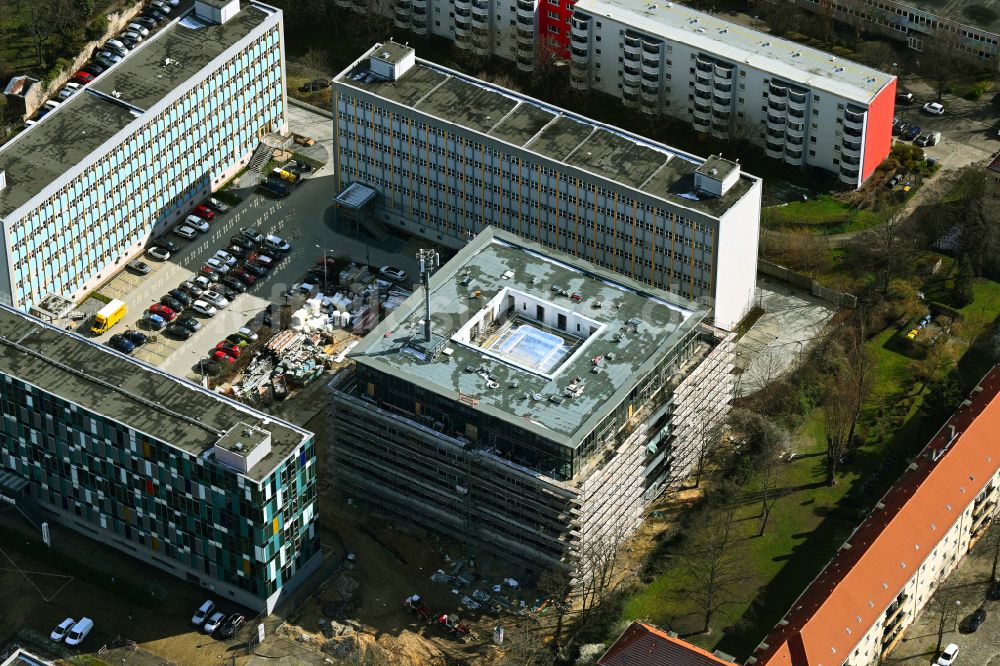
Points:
(793, 319)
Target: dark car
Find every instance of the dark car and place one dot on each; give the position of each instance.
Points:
(103, 62)
(238, 251)
(235, 284)
(904, 97)
(167, 245)
(899, 128)
(975, 620)
(314, 85)
(181, 296)
(190, 323)
(255, 268)
(177, 331)
(995, 590)
(228, 292)
(244, 242)
(137, 338)
(145, 22)
(172, 303)
(273, 189)
(231, 625)
(93, 69)
(121, 343)
(245, 277)
(910, 133)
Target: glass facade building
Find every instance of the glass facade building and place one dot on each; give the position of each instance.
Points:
(129, 154)
(106, 449)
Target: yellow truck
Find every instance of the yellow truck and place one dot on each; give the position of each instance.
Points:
(286, 175)
(108, 316)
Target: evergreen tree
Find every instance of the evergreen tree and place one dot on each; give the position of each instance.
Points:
(962, 292)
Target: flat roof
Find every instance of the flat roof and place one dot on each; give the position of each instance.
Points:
(166, 408)
(788, 60)
(393, 53)
(548, 131)
(839, 607)
(637, 327)
(121, 95)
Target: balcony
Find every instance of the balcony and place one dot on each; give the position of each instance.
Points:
(401, 20)
(793, 155)
(850, 148)
(776, 92)
(774, 149)
(630, 76)
(702, 110)
(461, 30)
(633, 51)
(577, 54)
(651, 95)
(854, 121)
(848, 175)
(525, 36)
(462, 4)
(525, 63)
(632, 57)
(720, 130)
(701, 124)
(703, 86)
(632, 40)
(722, 104)
(704, 66)
(480, 19)
(651, 48)
(724, 72)
(581, 23)
(780, 107)
(775, 122)
(419, 25)
(630, 99)
(795, 129)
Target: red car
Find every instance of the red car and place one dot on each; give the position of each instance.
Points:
(220, 356)
(83, 77)
(230, 348)
(163, 311)
(204, 212)
(243, 276)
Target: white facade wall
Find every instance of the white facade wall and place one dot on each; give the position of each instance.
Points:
(929, 576)
(448, 183)
(659, 76)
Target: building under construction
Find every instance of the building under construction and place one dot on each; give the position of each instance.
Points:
(550, 401)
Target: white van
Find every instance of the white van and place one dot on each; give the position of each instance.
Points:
(79, 631)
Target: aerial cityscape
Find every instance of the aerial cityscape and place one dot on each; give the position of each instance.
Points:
(514, 333)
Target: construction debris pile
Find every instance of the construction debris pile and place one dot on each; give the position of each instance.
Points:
(356, 305)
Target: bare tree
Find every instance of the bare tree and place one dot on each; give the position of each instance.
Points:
(714, 567)
(557, 584)
(846, 395)
(943, 58)
(766, 441)
(524, 646)
(888, 246)
(781, 17)
(946, 606)
(598, 574)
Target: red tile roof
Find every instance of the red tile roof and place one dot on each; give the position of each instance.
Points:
(839, 607)
(645, 645)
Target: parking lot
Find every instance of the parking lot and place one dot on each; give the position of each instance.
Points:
(305, 219)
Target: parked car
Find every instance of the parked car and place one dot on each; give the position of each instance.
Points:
(153, 14)
(225, 257)
(172, 303)
(137, 338)
(237, 340)
(247, 334)
(167, 245)
(196, 222)
(234, 621)
(140, 267)
(115, 46)
(121, 343)
(145, 22)
(62, 629)
(300, 167)
(974, 621)
(393, 273)
(158, 253)
(255, 268)
(222, 358)
(79, 631)
(185, 232)
(177, 331)
(180, 295)
(254, 235)
(191, 288)
(202, 281)
(215, 298)
(203, 612)
(928, 139)
(276, 243)
(947, 656)
(69, 90)
(130, 36)
(139, 28)
(904, 97)
(204, 212)
(94, 68)
(154, 322)
(228, 292)
(238, 251)
(244, 242)
(161, 6)
(910, 133)
(168, 313)
(203, 308)
(934, 108)
(314, 85)
(213, 622)
(245, 277)
(217, 265)
(229, 347)
(217, 205)
(234, 283)
(82, 77)
(189, 322)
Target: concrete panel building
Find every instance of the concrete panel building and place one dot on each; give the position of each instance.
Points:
(802, 106)
(546, 410)
(82, 191)
(175, 475)
(450, 155)
(858, 608)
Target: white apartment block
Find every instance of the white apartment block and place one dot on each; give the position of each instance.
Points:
(858, 608)
(449, 155)
(803, 106)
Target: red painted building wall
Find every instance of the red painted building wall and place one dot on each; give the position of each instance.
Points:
(878, 133)
(554, 28)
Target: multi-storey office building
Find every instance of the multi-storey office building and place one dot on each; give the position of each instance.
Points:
(801, 105)
(543, 411)
(82, 191)
(858, 608)
(173, 474)
(916, 22)
(450, 155)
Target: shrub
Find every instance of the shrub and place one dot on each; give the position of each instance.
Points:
(58, 67)
(96, 28)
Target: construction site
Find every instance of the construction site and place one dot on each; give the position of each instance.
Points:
(526, 404)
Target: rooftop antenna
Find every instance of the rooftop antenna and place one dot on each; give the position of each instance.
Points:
(429, 260)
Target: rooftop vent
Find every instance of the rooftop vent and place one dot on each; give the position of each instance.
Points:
(116, 94)
(392, 60)
(216, 11)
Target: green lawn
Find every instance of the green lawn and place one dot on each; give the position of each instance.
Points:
(811, 520)
(823, 214)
